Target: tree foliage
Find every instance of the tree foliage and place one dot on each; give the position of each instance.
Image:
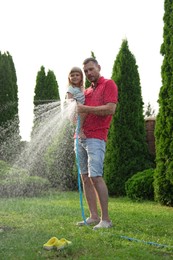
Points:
(140, 186)
(149, 112)
(8, 88)
(163, 183)
(46, 89)
(127, 151)
(9, 120)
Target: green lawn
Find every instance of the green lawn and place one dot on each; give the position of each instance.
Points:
(27, 223)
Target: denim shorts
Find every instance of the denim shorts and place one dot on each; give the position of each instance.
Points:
(90, 154)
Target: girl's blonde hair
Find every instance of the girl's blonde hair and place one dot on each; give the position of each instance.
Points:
(76, 69)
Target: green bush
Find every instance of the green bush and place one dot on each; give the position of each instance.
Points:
(60, 159)
(140, 186)
(15, 182)
(12, 187)
(4, 168)
(35, 185)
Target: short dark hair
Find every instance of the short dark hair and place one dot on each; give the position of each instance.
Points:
(90, 59)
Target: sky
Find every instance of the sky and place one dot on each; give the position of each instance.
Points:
(60, 34)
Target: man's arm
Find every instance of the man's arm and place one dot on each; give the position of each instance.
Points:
(104, 110)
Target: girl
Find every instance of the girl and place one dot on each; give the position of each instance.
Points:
(76, 91)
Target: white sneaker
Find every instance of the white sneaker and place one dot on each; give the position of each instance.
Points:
(103, 224)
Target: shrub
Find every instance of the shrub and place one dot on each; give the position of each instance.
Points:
(35, 185)
(15, 182)
(140, 186)
(11, 187)
(60, 159)
(4, 168)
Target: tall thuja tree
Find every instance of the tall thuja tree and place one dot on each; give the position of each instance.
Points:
(40, 87)
(9, 120)
(8, 88)
(51, 90)
(163, 179)
(46, 89)
(127, 150)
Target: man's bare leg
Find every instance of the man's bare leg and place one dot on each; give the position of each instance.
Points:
(102, 193)
(90, 195)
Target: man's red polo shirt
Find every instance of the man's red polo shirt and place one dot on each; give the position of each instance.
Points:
(105, 92)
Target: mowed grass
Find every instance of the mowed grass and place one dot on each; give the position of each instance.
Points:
(27, 223)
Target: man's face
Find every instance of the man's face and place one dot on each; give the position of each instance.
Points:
(92, 71)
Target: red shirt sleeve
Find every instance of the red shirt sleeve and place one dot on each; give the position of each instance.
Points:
(110, 92)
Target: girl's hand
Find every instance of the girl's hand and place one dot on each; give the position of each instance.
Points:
(80, 108)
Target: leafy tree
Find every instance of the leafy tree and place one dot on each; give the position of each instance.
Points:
(127, 151)
(163, 184)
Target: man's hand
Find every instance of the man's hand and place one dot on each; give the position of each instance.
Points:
(80, 108)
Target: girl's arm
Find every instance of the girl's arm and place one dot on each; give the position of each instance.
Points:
(69, 95)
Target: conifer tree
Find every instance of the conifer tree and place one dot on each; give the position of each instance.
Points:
(40, 87)
(163, 179)
(9, 119)
(127, 150)
(8, 88)
(51, 92)
(46, 89)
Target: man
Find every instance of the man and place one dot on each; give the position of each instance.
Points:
(100, 104)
